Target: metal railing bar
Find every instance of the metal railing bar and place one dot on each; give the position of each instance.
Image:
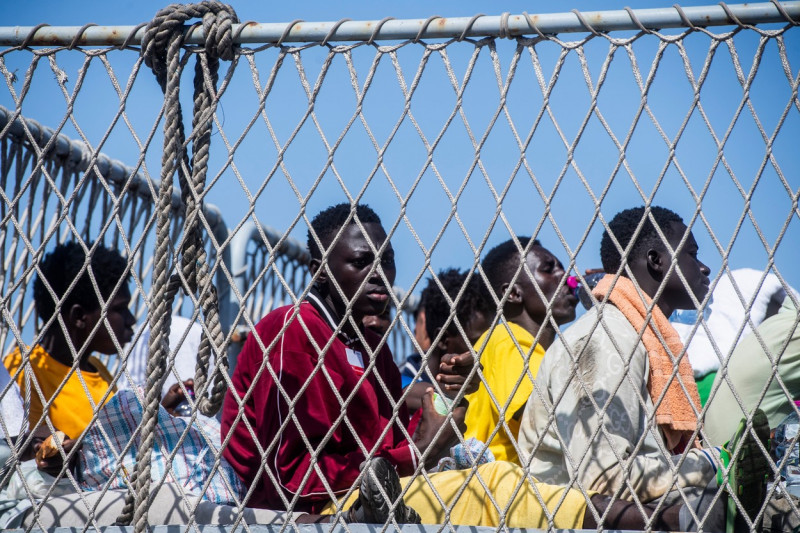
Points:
(440, 28)
(78, 156)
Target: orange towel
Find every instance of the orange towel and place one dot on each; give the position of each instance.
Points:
(674, 414)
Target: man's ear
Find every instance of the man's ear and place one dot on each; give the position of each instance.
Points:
(76, 317)
(655, 261)
(514, 293)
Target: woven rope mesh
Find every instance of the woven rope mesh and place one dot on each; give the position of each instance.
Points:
(458, 144)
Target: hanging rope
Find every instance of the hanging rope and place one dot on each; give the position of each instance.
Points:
(161, 49)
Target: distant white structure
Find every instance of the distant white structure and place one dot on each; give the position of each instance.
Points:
(727, 316)
(185, 355)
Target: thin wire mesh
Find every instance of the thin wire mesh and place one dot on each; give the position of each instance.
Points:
(459, 144)
(57, 190)
(98, 199)
(272, 272)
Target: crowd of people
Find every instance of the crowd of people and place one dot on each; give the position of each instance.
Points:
(512, 412)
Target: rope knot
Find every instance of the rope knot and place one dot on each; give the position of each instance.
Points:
(218, 27)
(168, 26)
(162, 45)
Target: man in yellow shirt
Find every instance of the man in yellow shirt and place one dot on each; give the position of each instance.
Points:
(511, 351)
(66, 382)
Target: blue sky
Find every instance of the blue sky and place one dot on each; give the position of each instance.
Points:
(571, 215)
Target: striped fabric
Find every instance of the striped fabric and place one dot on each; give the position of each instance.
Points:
(193, 463)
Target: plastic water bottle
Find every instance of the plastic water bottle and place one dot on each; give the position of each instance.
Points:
(184, 408)
(689, 316)
(442, 404)
(581, 291)
(786, 431)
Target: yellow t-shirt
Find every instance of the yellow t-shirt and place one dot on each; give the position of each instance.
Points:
(503, 364)
(71, 411)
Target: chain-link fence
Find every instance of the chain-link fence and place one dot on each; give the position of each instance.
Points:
(465, 136)
(55, 190)
(251, 249)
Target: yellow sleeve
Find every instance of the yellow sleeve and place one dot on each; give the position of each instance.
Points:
(103, 371)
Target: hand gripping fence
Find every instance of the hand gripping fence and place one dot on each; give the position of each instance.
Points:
(161, 49)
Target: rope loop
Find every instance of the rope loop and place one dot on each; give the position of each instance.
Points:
(469, 26)
(635, 20)
(131, 36)
(505, 32)
(684, 18)
(377, 29)
(78, 35)
(218, 20)
(784, 13)
(332, 31)
(287, 31)
(218, 27)
(161, 50)
(29, 37)
(732, 16)
(533, 25)
(424, 28)
(585, 23)
(241, 28)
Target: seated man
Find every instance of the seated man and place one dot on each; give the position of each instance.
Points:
(183, 452)
(312, 398)
(512, 350)
(623, 425)
(86, 322)
(92, 323)
(450, 361)
(740, 299)
(317, 354)
(776, 340)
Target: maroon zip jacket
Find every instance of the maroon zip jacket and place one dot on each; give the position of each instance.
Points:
(279, 442)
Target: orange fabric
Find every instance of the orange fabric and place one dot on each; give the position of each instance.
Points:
(72, 410)
(674, 415)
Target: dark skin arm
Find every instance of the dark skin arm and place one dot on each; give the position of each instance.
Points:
(452, 375)
(625, 515)
(26, 453)
(417, 390)
(55, 464)
(414, 398)
(429, 424)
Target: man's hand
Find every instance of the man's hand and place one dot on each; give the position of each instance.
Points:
(48, 457)
(454, 372)
(175, 396)
(429, 424)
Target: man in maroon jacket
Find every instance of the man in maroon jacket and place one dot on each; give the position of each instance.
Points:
(317, 396)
